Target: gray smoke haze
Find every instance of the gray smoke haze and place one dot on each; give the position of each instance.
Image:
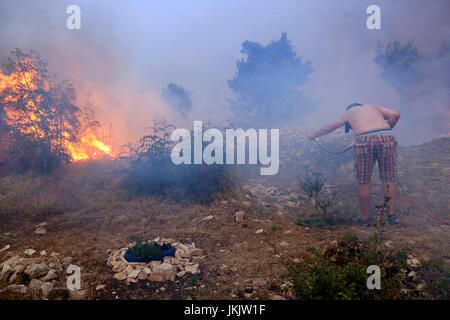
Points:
(128, 51)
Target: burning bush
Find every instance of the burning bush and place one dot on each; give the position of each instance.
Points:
(40, 125)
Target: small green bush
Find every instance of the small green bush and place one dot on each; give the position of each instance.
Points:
(145, 250)
(338, 272)
(193, 280)
(327, 214)
(350, 237)
(312, 184)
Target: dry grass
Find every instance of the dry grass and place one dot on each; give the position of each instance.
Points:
(87, 213)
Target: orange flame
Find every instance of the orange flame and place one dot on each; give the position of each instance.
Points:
(88, 148)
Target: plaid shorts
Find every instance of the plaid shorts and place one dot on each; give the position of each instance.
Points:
(380, 147)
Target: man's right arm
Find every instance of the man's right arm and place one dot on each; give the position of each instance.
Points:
(391, 116)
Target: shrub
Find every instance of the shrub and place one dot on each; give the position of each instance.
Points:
(338, 272)
(145, 250)
(327, 214)
(152, 172)
(350, 237)
(193, 280)
(312, 185)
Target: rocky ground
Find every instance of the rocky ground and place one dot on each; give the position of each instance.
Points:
(230, 249)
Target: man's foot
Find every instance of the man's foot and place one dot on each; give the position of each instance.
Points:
(393, 219)
(361, 221)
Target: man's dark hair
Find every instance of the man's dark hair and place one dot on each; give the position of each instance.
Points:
(347, 125)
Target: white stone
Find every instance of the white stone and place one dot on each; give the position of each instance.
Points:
(36, 270)
(413, 262)
(40, 231)
(147, 270)
(45, 288)
(17, 276)
(6, 268)
(120, 276)
(142, 275)
(421, 286)
(192, 269)
(129, 269)
(119, 266)
(196, 252)
(30, 252)
(163, 272)
(5, 248)
(133, 274)
(35, 284)
(51, 275)
(153, 264)
(259, 231)
(100, 287)
(11, 261)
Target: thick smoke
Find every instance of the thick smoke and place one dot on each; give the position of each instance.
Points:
(127, 51)
(177, 98)
(423, 81)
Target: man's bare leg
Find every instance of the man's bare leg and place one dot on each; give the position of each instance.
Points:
(364, 199)
(390, 190)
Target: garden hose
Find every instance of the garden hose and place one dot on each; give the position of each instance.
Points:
(399, 184)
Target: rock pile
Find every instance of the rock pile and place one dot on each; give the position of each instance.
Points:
(186, 260)
(272, 195)
(34, 277)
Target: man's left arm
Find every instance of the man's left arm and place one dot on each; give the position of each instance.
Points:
(329, 127)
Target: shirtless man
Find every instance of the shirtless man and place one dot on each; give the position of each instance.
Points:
(372, 126)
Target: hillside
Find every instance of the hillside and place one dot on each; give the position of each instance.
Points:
(238, 258)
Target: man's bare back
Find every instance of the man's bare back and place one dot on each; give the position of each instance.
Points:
(362, 119)
(368, 117)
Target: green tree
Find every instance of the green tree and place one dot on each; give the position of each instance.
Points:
(267, 84)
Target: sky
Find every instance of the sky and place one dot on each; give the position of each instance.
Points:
(127, 51)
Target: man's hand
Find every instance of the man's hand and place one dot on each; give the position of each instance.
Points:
(391, 116)
(329, 127)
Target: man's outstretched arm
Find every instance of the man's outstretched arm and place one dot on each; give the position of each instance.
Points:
(328, 128)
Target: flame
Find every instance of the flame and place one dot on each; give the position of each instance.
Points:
(21, 85)
(89, 147)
